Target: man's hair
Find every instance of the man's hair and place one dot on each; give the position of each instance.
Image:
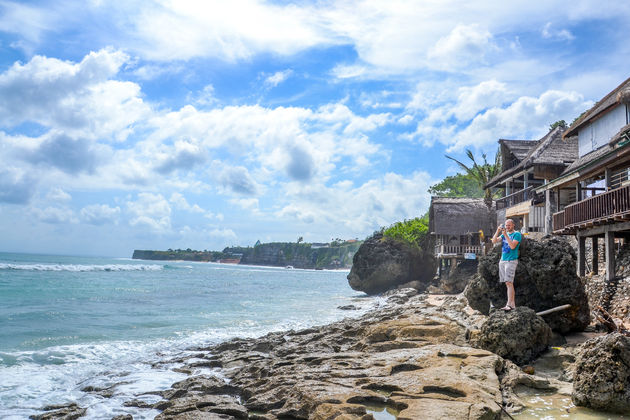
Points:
(509, 220)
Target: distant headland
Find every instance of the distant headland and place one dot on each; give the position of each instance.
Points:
(334, 255)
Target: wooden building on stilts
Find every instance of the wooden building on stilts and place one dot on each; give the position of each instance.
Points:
(592, 196)
(461, 229)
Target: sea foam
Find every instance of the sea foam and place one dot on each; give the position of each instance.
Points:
(81, 268)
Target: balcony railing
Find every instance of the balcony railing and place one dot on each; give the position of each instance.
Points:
(459, 250)
(598, 209)
(515, 198)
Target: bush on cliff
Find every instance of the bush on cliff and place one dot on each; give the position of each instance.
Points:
(413, 231)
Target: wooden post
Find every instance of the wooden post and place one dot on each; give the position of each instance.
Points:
(578, 191)
(548, 211)
(595, 247)
(581, 256)
(609, 240)
(607, 178)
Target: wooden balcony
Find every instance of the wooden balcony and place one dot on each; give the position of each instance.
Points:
(515, 198)
(608, 207)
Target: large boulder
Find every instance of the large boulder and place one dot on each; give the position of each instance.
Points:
(602, 374)
(519, 335)
(545, 278)
(382, 263)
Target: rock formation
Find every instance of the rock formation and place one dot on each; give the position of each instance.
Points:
(602, 374)
(545, 278)
(456, 281)
(382, 264)
(413, 360)
(519, 335)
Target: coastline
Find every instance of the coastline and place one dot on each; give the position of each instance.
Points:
(409, 358)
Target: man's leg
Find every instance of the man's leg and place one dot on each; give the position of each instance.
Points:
(510, 294)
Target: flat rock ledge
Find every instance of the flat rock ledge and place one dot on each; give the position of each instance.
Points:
(413, 360)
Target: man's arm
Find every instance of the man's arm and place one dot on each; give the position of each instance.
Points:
(513, 243)
(496, 237)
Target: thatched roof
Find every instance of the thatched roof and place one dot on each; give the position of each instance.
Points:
(550, 150)
(621, 94)
(459, 216)
(519, 148)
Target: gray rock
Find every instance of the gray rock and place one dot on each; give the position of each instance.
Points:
(602, 374)
(456, 281)
(60, 412)
(382, 264)
(518, 335)
(545, 278)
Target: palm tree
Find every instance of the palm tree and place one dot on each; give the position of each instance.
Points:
(481, 173)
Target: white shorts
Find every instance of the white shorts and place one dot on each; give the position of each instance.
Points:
(507, 270)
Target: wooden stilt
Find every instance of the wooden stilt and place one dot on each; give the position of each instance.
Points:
(609, 240)
(581, 262)
(595, 247)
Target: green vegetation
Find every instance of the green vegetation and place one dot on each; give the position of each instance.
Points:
(559, 123)
(459, 185)
(483, 173)
(412, 231)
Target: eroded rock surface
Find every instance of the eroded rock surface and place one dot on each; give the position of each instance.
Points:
(455, 281)
(545, 278)
(519, 335)
(382, 264)
(413, 359)
(602, 374)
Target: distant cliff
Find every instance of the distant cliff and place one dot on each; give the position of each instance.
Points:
(303, 255)
(178, 255)
(279, 254)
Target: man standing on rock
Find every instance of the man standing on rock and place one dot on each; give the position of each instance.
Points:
(509, 258)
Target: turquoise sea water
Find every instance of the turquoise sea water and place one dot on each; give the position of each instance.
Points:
(67, 323)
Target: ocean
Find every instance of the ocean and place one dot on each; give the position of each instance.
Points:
(72, 325)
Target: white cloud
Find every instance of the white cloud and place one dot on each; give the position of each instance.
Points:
(463, 45)
(150, 211)
(278, 77)
(78, 98)
(527, 115)
(59, 195)
(183, 155)
(376, 203)
(560, 34)
(17, 185)
(485, 95)
(238, 180)
(228, 30)
(54, 215)
(100, 214)
(180, 203)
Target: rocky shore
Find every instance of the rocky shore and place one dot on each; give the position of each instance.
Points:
(416, 357)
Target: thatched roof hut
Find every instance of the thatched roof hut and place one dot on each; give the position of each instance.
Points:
(460, 216)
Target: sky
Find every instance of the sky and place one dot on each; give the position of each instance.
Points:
(204, 124)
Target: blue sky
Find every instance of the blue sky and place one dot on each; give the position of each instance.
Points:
(205, 124)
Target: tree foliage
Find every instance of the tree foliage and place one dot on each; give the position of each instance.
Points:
(481, 173)
(460, 185)
(559, 123)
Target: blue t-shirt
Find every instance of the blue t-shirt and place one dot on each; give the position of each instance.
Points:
(509, 254)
